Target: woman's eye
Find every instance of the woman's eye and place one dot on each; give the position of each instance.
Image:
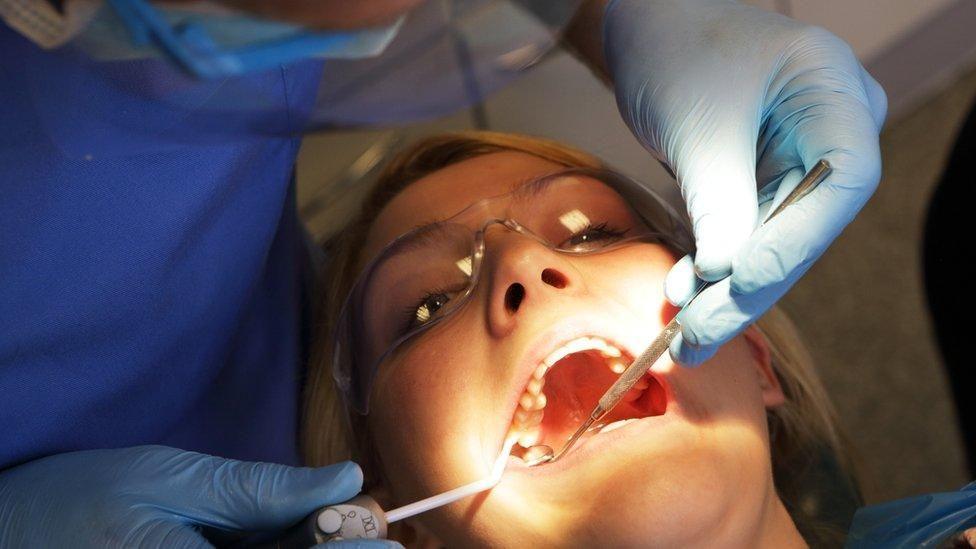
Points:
(592, 237)
(427, 308)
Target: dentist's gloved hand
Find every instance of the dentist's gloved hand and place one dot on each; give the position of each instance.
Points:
(739, 103)
(155, 496)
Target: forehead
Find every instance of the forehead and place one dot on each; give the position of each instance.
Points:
(447, 191)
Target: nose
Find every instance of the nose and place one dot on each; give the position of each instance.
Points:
(522, 274)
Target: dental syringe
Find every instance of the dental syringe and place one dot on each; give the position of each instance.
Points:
(662, 342)
(362, 517)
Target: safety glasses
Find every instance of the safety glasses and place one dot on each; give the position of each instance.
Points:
(426, 276)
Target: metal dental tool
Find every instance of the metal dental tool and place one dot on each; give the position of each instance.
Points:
(643, 363)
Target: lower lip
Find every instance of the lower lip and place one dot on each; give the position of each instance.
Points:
(593, 445)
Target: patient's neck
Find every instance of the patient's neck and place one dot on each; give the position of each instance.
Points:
(765, 526)
(777, 528)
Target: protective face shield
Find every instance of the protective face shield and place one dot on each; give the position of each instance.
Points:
(205, 39)
(210, 41)
(425, 276)
(442, 56)
(449, 54)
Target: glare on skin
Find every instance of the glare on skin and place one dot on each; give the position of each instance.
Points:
(703, 476)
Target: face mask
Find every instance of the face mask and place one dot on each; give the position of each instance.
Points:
(205, 39)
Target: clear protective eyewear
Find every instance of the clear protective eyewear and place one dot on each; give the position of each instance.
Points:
(429, 273)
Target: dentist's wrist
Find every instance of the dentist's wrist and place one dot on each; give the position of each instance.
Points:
(584, 37)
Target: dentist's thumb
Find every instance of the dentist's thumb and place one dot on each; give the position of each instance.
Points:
(255, 496)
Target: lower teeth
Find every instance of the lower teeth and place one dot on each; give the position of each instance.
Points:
(616, 425)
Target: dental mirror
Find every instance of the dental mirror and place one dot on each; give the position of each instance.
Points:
(537, 455)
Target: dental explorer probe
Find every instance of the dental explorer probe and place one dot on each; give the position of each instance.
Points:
(660, 345)
(362, 518)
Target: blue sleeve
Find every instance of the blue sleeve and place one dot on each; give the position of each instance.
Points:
(149, 249)
(922, 521)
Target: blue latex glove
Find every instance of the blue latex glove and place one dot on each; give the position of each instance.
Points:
(154, 496)
(739, 103)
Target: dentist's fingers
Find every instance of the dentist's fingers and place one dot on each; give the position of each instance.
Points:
(681, 282)
(717, 315)
(686, 354)
(786, 245)
(833, 112)
(252, 496)
(720, 192)
(165, 534)
(877, 98)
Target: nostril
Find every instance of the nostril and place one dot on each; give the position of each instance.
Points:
(514, 296)
(554, 278)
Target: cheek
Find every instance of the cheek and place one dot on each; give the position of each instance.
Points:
(723, 389)
(692, 479)
(424, 416)
(634, 276)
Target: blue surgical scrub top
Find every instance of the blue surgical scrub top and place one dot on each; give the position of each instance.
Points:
(150, 282)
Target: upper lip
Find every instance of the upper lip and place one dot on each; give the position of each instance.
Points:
(543, 345)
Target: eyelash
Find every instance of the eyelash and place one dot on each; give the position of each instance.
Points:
(605, 227)
(409, 315)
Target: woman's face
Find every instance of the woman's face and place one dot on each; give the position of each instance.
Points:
(694, 467)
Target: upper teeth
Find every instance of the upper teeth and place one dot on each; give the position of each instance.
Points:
(532, 403)
(581, 344)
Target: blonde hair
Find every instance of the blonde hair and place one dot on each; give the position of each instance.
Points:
(802, 429)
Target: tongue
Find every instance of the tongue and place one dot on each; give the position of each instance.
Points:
(575, 384)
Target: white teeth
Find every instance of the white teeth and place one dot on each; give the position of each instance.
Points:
(534, 418)
(533, 400)
(582, 344)
(610, 351)
(574, 346)
(616, 425)
(532, 403)
(534, 386)
(540, 372)
(528, 436)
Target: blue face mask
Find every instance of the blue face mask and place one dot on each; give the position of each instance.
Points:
(216, 42)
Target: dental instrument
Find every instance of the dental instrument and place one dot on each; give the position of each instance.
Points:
(362, 517)
(544, 454)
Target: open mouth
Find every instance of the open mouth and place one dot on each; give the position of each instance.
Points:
(566, 386)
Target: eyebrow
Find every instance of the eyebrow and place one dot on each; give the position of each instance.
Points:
(418, 236)
(522, 193)
(422, 229)
(534, 187)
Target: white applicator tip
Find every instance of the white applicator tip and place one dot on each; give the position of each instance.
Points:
(460, 492)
